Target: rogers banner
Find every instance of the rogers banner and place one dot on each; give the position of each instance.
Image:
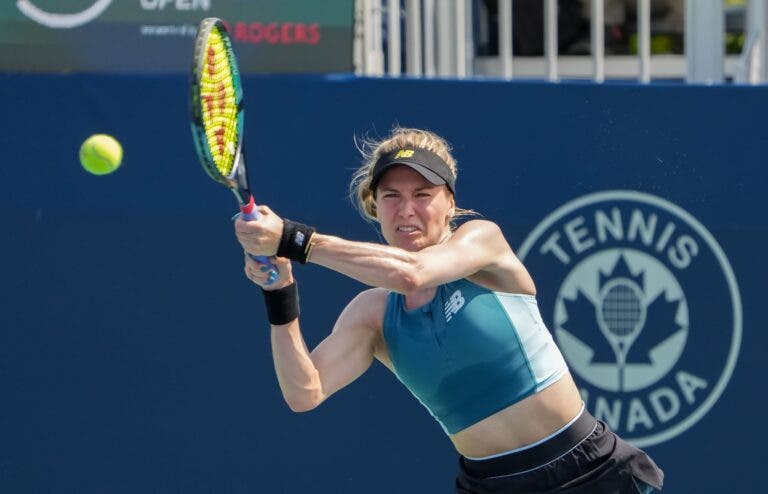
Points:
(157, 35)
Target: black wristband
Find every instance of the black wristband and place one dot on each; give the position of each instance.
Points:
(296, 241)
(282, 304)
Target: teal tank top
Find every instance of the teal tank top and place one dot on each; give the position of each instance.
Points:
(470, 352)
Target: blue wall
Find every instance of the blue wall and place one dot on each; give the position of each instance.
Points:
(134, 355)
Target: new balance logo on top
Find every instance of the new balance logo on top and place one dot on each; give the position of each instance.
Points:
(453, 305)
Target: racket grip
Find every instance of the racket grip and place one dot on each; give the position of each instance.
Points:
(250, 213)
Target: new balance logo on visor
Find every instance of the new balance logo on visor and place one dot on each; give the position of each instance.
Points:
(404, 153)
(453, 305)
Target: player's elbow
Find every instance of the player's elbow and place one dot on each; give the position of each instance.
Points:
(409, 278)
(406, 274)
(408, 283)
(301, 406)
(303, 402)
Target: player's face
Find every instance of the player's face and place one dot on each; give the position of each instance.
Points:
(413, 212)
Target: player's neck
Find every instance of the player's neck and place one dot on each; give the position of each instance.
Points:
(419, 298)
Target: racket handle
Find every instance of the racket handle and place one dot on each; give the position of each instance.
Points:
(250, 213)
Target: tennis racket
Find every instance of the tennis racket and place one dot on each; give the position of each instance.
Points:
(218, 117)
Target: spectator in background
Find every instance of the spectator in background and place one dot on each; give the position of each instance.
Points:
(527, 26)
(667, 26)
(667, 17)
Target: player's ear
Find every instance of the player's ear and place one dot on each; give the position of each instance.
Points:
(449, 216)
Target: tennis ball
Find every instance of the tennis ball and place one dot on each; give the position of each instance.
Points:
(101, 154)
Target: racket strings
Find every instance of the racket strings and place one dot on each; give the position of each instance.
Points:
(218, 98)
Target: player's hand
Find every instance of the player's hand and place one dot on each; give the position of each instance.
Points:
(260, 237)
(258, 272)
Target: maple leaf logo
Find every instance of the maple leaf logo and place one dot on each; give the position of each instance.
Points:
(620, 325)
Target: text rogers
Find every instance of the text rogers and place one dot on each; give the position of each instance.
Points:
(275, 33)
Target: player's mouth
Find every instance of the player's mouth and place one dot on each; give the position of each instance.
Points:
(408, 229)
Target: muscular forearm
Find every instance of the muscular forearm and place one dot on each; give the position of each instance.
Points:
(373, 264)
(296, 373)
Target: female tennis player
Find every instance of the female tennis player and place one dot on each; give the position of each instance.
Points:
(453, 314)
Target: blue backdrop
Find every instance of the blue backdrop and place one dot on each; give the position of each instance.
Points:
(134, 355)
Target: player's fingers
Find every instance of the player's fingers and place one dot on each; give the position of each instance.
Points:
(257, 275)
(250, 260)
(243, 227)
(248, 268)
(279, 261)
(248, 235)
(255, 264)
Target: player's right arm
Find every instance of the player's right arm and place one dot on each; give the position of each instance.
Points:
(307, 378)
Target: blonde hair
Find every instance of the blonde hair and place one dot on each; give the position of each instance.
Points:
(371, 150)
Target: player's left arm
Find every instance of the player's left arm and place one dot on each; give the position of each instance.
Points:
(476, 246)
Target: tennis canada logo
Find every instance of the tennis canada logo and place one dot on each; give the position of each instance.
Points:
(62, 20)
(644, 305)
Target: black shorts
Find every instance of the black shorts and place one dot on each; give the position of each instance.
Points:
(585, 458)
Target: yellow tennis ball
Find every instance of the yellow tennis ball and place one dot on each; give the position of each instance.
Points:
(101, 154)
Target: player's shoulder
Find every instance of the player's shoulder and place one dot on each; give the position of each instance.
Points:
(372, 297)
(479, 227)
(368, 306)
(477, 223)
(364, 312)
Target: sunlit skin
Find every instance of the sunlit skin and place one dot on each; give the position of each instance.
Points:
(414, 216)
(413, 212)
